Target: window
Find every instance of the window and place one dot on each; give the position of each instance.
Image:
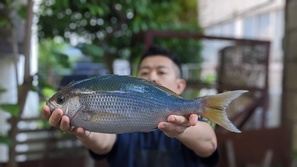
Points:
(257, 26)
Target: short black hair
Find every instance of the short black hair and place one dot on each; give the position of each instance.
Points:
(154, 50)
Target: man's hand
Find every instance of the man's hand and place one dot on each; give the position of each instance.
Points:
(97, 142)
(176, 125)
(196, 135)
(58, 120)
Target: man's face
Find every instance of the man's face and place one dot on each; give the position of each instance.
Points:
(163, 71)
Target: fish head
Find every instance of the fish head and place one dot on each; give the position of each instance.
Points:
(67, 100)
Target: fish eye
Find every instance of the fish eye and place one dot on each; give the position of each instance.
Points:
(60, 99)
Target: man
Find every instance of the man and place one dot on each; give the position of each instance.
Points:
(181, 141)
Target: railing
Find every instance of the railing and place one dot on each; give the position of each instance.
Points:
(45, 143)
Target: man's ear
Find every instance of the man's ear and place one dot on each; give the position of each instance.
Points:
(181, 86)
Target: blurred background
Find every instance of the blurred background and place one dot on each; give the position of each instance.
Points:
(222, 44)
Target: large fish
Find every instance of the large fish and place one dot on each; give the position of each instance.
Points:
(123, 104)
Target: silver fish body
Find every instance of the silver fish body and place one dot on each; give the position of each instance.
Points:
(123, 104)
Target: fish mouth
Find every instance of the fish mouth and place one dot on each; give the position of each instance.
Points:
(50, 105)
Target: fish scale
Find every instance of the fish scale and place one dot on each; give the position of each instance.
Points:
(121, 112)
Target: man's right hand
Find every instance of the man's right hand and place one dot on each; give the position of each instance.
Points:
(59, 120)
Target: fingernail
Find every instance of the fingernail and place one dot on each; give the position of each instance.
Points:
(173, 118)
(163, 126)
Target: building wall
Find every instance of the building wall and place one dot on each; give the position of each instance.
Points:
(245, 19)
(253, 19)
(219, 11)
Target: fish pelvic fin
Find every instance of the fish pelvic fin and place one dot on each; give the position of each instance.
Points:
(214, 108)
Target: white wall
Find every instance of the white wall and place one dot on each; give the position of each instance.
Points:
(253, 19)
(218, 11)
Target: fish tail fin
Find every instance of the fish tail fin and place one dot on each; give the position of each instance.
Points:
(214, 108)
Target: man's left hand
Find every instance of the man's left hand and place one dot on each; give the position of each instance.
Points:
(176, 124)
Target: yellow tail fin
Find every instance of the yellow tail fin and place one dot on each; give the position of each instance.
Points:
(214, 108)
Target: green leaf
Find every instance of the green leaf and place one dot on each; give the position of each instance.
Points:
(48, 92)
(22, 11)
(6, 140)
(13, 109)
(3, 22)
(95, 10)
(92, 9)
(100, 11)
(62, 58)
(62, 5)
(33, 88)
(2, 90)
(91, 49)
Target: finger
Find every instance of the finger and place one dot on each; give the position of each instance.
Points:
(81, 133)
(55, 118)
(170, 129)
(65, 124)
(46, 113)
(72, 130)
(66, 127)
(179, 120)
(193, 119)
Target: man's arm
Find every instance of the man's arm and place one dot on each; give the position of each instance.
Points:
(99, 143)
(197, 135)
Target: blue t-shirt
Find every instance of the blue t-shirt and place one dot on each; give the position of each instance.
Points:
(153, 149)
